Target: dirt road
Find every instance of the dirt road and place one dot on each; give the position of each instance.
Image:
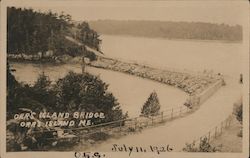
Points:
(186, 129)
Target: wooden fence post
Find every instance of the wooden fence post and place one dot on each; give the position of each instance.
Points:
(152, 121)
(162, 116)
(229, 122)
(120, 126)
(172, 113)
(208, 139)
(136, 123)
(215, 132)
(221, 127)
(200, 141)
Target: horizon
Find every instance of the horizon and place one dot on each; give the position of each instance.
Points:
(172, 21)
(206, 12)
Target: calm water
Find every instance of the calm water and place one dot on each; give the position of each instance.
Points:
(131, 91)
(176, 54)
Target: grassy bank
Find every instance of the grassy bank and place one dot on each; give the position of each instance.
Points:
(230, 141)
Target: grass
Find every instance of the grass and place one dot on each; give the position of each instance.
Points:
(229, 139)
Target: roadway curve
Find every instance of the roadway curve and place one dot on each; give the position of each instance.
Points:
(178, 132)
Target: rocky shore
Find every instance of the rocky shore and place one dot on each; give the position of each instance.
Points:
(189, 83)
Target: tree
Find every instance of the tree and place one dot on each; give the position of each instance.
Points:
(152, 106)
(85, 92)
(30, 32)
(12, 88)
(11, 80)
(88, 36)
(169, 29)
(43, 92)
(43, 82)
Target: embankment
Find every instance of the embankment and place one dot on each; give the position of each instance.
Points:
(190, 83)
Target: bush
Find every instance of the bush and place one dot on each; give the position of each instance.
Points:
(204, 146)
(90, 55)
(240, 133)
(131, 129)
(152, 106)
(99, 136)
(237, 111)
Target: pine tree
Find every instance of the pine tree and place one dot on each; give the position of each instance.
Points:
(43, 82)
(152, 106)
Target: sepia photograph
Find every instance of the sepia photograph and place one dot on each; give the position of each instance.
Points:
(133, 78)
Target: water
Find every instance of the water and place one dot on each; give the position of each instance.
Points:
(131, 91)
(176, 54)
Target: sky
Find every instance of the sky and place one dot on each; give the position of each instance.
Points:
(228, 12)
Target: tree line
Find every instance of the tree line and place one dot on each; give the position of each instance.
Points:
(74, 92)
(30, 32)
(169, 29)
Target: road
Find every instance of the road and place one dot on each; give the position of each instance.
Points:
(180, 131)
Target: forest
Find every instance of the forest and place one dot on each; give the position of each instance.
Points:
(169, 29)
(74, 92)
(31, 32)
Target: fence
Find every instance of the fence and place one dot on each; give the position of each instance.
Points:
(127, 125)
(200, 98)
(138, 123)
(210, 91)
(214, 132)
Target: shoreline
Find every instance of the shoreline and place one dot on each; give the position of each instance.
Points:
(192, 84)
(189, 83)
(176, 39)
(150, 74)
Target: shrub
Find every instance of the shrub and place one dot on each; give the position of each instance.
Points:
(240, 133)
(204, 146)
(131, 129)
(99, 136)
(152, 106)
(237, 111)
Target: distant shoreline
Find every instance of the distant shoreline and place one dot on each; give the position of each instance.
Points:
(175, 39)
(170, 29)
(51, 60)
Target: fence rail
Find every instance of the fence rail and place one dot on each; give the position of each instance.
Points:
(214, 132)
(132, 124)
(138, 123)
